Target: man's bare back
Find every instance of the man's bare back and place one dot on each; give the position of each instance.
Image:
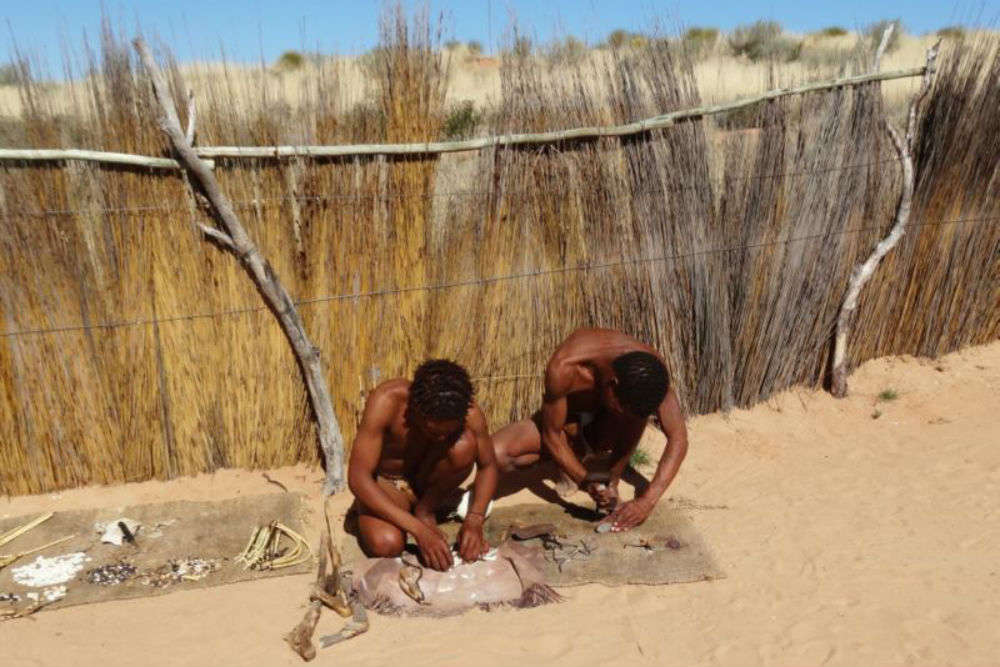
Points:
(601, 387)
(417, 442)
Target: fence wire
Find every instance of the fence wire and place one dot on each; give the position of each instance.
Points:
(357, 200)
(477, 281)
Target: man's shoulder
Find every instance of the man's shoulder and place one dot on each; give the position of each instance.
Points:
(475, 418)
(388, 396)
(560, 376)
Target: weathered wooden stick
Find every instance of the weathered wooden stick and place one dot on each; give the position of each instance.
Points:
(300, 638)
(192, 115)
(883, 43)
(436, 147)
(654, 123)
(354, 627)
(103, 157)
(236, 239)
(863, 272)
(219, 237)
(292, 176)
(10, 535)
(330, 589)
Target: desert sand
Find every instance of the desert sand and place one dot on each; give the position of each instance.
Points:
(847, 538)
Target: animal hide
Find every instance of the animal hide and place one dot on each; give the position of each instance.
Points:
(510, 576)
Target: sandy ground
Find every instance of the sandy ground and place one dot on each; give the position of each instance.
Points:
(847, 540)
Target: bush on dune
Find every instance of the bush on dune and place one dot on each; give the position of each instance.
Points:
(764, 40)
(873, 34)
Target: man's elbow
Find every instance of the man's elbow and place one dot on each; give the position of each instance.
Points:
(680, 448)
(355, 480)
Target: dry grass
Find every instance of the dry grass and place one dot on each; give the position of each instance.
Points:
(179, 396)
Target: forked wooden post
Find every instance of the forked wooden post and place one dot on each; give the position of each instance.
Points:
(863, 272)
(234, 238)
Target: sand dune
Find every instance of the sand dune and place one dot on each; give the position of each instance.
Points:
(846, 539)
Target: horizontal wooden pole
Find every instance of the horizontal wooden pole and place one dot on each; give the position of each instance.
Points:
(103, 157)
(637, 127)
(437, 147)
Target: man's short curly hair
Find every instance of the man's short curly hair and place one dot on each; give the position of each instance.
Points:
(643, 381)
(441, 390)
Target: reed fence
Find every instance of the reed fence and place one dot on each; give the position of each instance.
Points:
(131, 349)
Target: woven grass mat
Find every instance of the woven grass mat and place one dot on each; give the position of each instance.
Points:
(677, 553)
(170, 531)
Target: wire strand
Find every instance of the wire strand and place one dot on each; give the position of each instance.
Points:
(362, 199)
(472, 281)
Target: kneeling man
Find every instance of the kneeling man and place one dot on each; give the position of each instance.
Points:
(601, 387)
(417, 442)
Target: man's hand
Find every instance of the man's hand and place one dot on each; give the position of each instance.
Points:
(605, 496)
(629, 515)
(434, 549)
(471, 541)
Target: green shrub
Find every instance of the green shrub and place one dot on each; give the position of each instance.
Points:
(290, 60)
(452, 44)
(888, 395)
(10, 74)
(699, 42)
(638, 40)
(639, 458)
(620, 38)
(461, 121)
(873, 34)
(522, 47)
(617, 38)
(953, 32)
(568, 51)
(832, 31)
(474, 47)
(764, 40)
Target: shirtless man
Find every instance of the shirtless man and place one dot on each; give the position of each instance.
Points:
(601, 387)
(417, 442)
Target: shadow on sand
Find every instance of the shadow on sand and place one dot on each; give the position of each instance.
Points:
(533, 479)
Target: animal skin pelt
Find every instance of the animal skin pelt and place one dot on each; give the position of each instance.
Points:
(512, 579)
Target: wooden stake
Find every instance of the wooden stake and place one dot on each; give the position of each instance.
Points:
(863, 272)
(234, 238)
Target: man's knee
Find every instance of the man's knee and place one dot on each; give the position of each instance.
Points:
(500, 454)
(514, 442)
(463, 455)
(385, 543)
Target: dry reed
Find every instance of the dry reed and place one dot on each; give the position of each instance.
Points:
(744, 239)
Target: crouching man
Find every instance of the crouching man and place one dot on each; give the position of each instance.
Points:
(417, 442)
(601, 388)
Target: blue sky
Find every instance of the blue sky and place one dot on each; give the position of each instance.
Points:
(251, 29)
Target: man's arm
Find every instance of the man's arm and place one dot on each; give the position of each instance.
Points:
(672, 422)
(487, 475)
(671, 418)
(365, 454)
(554, 412)
(471, 541)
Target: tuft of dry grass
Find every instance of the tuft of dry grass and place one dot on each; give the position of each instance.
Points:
(728, 249)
